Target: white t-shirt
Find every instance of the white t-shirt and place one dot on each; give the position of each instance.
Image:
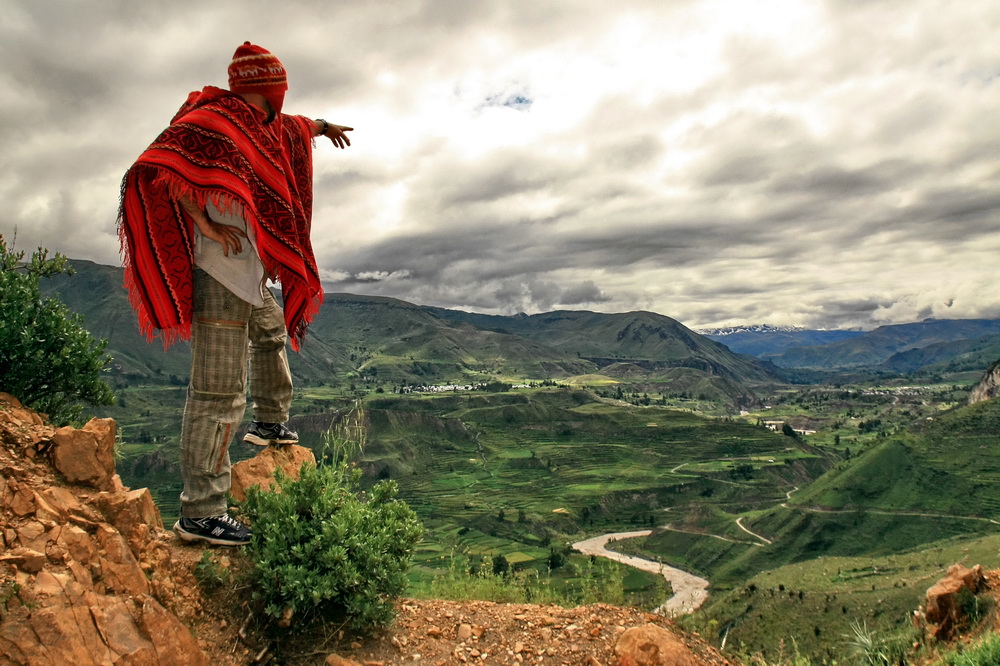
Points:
(241, 272)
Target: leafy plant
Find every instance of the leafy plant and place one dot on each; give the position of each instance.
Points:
(48, 360)
(874, 649)
(210, 574)
(7, 592)
(323, 548)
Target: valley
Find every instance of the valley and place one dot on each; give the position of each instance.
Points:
(507, 481)
(827, 494)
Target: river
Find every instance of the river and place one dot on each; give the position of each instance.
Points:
(690, 591)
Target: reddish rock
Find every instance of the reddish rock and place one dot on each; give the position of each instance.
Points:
(172, 641)
(114, 620)
(943, 610)
(122, 572)
(77, 543)
(86, 456)
(16, 412)
(259, 470)
(62, 500)
(68, 635)
(25, 559)
(23, 502)
(129, 510)
(650, 645)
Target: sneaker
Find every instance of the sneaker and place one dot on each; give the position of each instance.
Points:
(221, 530)
(270, 434)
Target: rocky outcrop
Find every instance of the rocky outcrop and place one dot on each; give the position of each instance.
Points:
(260, 470)
(988, 387)
(944, 610)
(85, 573)
(652, 645)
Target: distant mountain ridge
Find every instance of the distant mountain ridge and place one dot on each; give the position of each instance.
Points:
(378, 340)
(876, 347)
(385, 342)
(748, 328)
(933, 345)
(765, 341)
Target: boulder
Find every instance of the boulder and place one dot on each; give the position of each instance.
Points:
(87, 455)
(943, 610)
(652, 645)
(259, 470)
(130, 510)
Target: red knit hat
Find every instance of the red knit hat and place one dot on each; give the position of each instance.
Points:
(254, 69)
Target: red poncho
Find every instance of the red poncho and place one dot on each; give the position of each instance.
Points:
(218, 149)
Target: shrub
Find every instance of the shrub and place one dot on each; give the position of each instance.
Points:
(322, 548)
(985, 651)
(873, 648)
(47, 359)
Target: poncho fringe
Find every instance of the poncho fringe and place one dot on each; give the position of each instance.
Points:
(218, 150)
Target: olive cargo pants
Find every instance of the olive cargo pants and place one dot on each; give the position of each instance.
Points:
(225, 330)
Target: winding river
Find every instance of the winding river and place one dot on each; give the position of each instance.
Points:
(690, 592)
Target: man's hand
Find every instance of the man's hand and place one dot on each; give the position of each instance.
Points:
(223, 234)
(335, 133)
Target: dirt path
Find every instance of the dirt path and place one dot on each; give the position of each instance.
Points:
(690, 592)
(739, 524)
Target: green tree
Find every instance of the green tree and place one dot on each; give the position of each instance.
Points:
(501, 567)
(48, 360)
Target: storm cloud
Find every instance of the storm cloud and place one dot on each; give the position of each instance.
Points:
(792, 162)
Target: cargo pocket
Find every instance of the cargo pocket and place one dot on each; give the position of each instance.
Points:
(218, 357)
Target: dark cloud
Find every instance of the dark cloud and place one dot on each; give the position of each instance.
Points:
(830, 164)
(584, 294)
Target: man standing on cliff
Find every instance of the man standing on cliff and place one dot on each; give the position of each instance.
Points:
(218, 204)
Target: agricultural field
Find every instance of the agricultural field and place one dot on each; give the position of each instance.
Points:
(505, 481)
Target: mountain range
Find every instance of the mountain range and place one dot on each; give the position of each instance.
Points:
(388, 342)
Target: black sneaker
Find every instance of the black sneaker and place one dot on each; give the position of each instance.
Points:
(268, 434)
(221, 530)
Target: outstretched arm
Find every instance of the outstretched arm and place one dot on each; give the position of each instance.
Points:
(336, 133)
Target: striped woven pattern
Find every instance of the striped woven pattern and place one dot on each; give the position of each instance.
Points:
(218, 149)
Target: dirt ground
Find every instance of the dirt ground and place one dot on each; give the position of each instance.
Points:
(425, 631)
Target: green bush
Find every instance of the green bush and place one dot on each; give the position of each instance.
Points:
(322, 548)
(985, 652)
(48, 360)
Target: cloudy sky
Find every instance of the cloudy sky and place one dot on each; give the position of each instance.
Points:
(821, 164)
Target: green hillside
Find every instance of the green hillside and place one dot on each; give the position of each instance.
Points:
(397, 342)
(814, 607)
(938, 480)
(647, 339)
(947, 357)
(373, 343)
(525, 469)
(941, 478)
